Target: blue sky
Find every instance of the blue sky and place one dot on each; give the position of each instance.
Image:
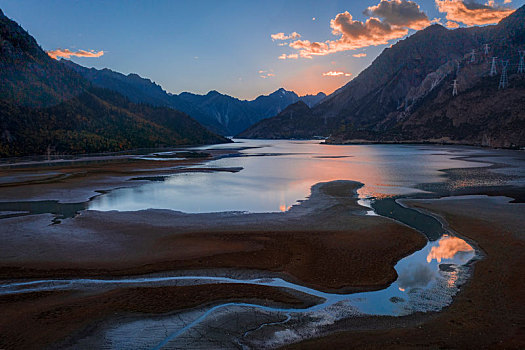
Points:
(199, 46)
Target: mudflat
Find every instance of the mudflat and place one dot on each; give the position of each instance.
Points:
(489, 312)
(325, 242)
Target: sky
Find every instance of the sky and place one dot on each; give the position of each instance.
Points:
(240, 48)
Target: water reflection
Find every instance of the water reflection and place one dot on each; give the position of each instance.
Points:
(448, 248)
(276, 174)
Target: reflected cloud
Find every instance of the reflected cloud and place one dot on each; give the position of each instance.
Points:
(448, 248)
(412, 277)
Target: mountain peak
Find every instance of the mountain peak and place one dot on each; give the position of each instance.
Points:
(213, 93)
(434, 27)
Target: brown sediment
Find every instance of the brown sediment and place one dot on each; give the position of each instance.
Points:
(489, 312)
(325, 242)
(322, 243)
(34, 320)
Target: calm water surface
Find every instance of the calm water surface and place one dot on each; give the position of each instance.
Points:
(276, 174)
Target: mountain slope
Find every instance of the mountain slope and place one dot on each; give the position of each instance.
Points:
(47, 107)
(296, 119)
(97, 120)
(412, 79)
(27, 74)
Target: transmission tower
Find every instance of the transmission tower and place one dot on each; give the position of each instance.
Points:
(521, 65)
(493, 69)
(473, 56)
(504, 81)
(486, 48)
(455, 88)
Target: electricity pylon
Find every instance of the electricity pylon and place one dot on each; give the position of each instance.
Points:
(521, 65)
(486, 47)
(493, 69)
(504, 80)
(455, 88)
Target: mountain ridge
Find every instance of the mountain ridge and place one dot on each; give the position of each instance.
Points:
(221, 113)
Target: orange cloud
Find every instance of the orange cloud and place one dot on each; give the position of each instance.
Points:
(282, 36)
(394, 19)
(284, 56)
(336, 74)
(451, 24)
(66, 53)
(448, 247)
(358, 55)
(471, 13)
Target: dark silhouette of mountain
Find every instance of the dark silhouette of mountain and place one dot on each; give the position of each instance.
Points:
(296, 119)
(406, 93)
(220, 113)
(46, 106)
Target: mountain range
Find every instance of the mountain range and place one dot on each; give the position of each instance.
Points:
(223, 114)
(45, 106)
(405, 95)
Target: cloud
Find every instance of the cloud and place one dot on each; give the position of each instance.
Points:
(66, 53)
(265, 74)
(451, 24)
(390, 19)
(284, 56)
(472, 13)
(282, 36)
(336, 74)
(399, 13)
(358, 55)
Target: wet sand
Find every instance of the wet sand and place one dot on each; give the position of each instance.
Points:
(35, 320)
(325, 242)
(488, 313)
